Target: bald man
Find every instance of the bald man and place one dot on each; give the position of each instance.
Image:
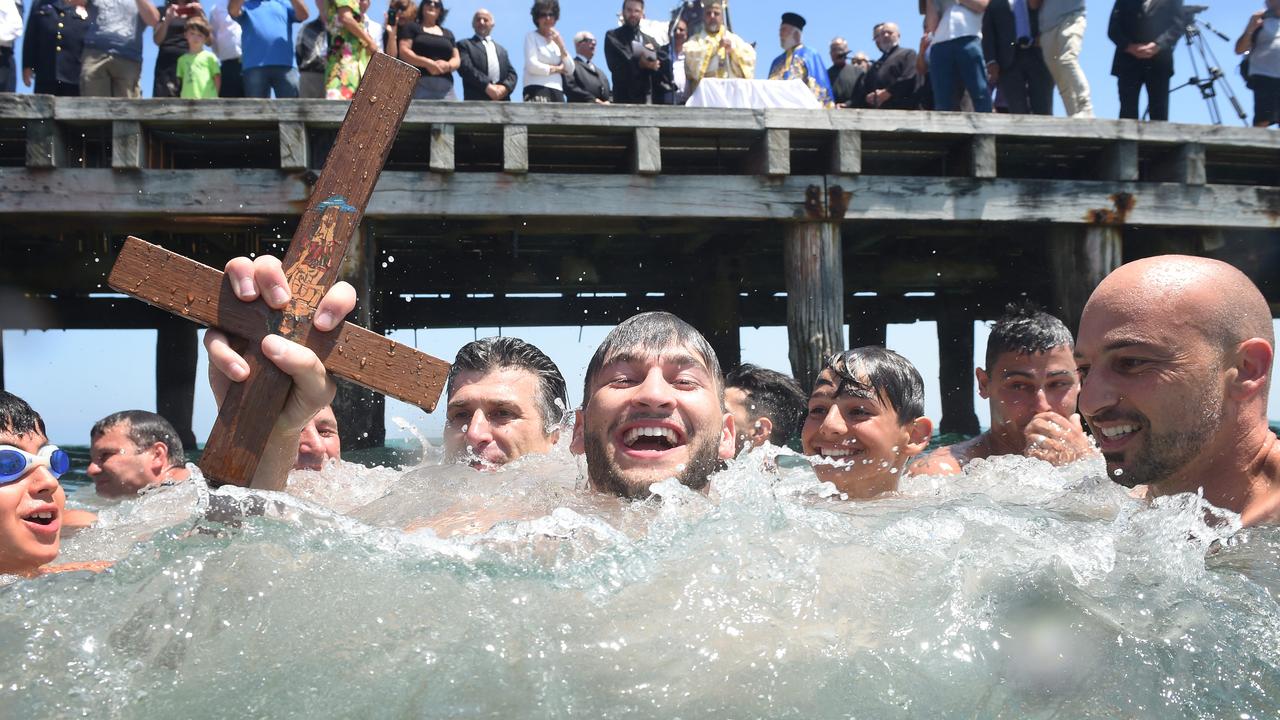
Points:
(1175, 354)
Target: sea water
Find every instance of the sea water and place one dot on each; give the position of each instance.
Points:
(1015, 590)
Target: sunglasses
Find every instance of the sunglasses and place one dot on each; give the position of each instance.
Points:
(433, 4)
(15, 463)
(546, 15)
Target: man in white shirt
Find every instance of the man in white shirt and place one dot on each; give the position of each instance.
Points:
(226, 45)
(10, 31)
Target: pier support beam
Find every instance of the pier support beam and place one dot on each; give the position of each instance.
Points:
(814, 271)
(177, 350)
(716, 311)
(955, 368)
(867, 326)
(1078, 260)
(361, 413)
(1, 359)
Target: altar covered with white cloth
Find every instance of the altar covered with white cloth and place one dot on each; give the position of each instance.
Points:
(753, 94)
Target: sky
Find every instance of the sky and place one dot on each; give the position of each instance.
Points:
(75, 377)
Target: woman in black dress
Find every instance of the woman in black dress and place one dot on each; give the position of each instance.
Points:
(428, 46)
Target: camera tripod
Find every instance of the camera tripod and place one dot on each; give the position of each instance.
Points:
(1202, 56)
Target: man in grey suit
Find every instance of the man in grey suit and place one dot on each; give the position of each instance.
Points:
(588, 83)
(486, 70)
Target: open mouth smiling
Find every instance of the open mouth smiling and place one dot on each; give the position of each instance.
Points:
(650, 439)
(43, 520)
(1115, 436)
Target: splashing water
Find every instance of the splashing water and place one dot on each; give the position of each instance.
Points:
(1013, 590)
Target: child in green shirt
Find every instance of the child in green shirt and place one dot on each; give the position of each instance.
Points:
(199, 70)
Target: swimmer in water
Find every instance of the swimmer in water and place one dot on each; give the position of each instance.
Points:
(132, 450)
(319, 442)
(653, 408)
(1175, 355)
(767, 406)
(866, 416)
(1031, 384)
(505, 399)
(32, 503)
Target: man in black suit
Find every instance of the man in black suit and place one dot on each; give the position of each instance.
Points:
(640, 74)
(891, 81)
(588, 83)
(1014, 61)
(486, 70)
(1145, 33)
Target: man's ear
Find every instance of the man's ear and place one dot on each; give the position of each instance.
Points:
(919, 433)
(728, 437)
(578, 444)
(159, 459)
(983, 379)
(1251, 370)
(761, 431)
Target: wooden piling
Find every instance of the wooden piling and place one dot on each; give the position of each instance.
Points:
(867, 326)
(814, 271)
(1078, 260)
(177, 350)
(955, 368)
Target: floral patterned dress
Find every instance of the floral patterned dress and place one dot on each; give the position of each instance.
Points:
(348, 57)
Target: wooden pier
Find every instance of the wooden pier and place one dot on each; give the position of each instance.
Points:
(520, 215)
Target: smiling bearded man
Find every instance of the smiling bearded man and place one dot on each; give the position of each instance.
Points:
(1175, 355)
(653, 408)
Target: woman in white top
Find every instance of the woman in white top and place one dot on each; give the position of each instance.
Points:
(546, 61)
(1261, 39)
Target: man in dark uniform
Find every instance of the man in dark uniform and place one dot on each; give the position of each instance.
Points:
(637, 73)
(1014, 62)
(51, 47)
(890, 83)
(1145, 33)
(588, 83)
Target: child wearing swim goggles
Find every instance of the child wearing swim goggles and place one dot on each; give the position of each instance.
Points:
(32, 503)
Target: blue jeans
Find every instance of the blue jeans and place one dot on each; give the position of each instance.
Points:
(962, 58)
(260, 81)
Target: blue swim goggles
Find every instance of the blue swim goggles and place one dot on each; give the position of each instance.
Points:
(15, 463)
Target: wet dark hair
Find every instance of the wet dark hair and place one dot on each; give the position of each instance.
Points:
(493, 353)
(773, 395)
(1025, 329)
(545, 6)
(17, 417)
(873, 371)
(145, 430)
(649, 334)
(444, 13)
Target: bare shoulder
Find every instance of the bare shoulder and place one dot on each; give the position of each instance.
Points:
(949, 459)
(77, 519)
(939, 462)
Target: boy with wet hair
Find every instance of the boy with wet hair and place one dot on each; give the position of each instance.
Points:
(653, 408)
(1031, 383)
(865, 421)
(767, 405)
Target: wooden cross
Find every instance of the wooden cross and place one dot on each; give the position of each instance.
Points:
(200, 293)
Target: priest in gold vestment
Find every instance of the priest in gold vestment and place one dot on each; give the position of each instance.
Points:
(715, 52)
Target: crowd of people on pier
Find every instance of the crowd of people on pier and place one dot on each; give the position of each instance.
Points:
(974, 55)
(1166, 379)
